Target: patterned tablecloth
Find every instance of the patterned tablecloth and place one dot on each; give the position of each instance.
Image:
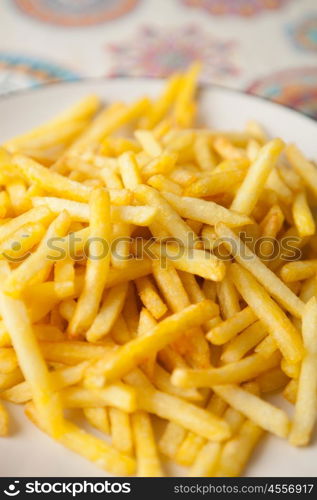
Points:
(265, 47)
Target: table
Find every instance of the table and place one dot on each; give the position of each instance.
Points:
(265, 47)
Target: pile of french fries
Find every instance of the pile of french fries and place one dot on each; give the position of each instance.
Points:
(134, 287)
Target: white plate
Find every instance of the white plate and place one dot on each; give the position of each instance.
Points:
(28, 452)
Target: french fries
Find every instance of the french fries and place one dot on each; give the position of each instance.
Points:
(228, 329)
(260, 412)
(152, 270)
(166, 216)
(98, 418)
(127, 214)
(150, 297)
(205, 211)
(274, 319)
(302, 215)
(253, 184)
(18, 325)
(306, 401)
(4, 421)
(39, 262)
(128, 356)
(235, 452)
(236, 348)
(108, 314)
(182, 413)
(232, 373)
(246, 258)
(121, 431)
(148, 462)
(96, 450)
(116, 395)
(97, 265)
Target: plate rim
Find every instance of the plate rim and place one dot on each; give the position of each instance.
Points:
(201, 86)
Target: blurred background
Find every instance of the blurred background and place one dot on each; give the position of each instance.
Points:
(265, 47)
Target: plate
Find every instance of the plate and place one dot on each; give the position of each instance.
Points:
(28, 452)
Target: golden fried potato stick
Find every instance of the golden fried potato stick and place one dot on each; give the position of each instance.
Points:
(303, 218)
(204, 155)
(290, 391)
(148, 461)
(21, 392)
(253, 183)
(190, 448)
(166, 215)
(206, 461)
(249, 260)
(88, 446)
(107, 122)
(50, 181)
(306, 401)
(217, 182)
(191, 286)
(8, 360)
(8, 380)
(16, 247)
(273, 380)
(40, 262)
(171, 439)
(236, 348)
(191, 260)
(149, 143)
(110, 309)
(4, 421)
(121, 431)
(162, 104)
(299, 270)
(266, 347)
(183, 413)
(182, 113)
(146, 323)
(82, 110)
(205, 211)
(273, 318)
(129, 170)
(228, 329)
(224, 147)
(228, 298)
(30, 359)
(236, 452)
(128, 214)
(150, 297)
(161, 379)
(262, 413)
(41, 215)
(304, 168)
(162, 184)
(232, 373)
(117, 395)
(98, 418)
(97, 264)
(73, 352)
(131, 270)
(270, 226)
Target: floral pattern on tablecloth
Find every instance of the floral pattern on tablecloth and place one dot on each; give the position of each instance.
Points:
(266, 47)
(296, 88)
(303, 33)
(158, 52)
(19, 72)
(75, 12)
(244, 8)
